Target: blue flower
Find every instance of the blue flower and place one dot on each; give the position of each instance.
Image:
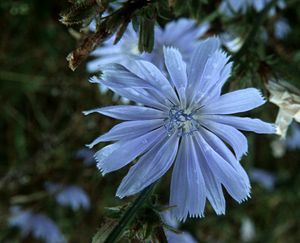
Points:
(126, 50)
(184, 237)
(184, 38)
(292, 140)
(86, 155)
(233, 6)
(281, 28)
(122, 52)
(263, 177)
(184, 120)
(38, 224)
(70, 195)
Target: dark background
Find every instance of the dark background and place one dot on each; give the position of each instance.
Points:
(42, 127)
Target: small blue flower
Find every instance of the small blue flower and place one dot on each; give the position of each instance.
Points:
(230, 7)
(292, 140)
(263, 177)
(86, 155)
(184, 120)
(70, 195)
(281, 28)
(39, 225)
(184, 237)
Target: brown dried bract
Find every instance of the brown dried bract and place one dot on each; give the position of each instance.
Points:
(89, 44)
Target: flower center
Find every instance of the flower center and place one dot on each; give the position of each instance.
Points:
(181, 121)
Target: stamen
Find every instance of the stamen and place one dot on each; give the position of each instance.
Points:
(181, 121)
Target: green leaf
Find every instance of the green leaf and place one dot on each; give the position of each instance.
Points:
(135, 23)
(104, 231)
(130, 213)
(114, 216)
(161, 209)
(170, 228)
(146, 36)
(163, 3)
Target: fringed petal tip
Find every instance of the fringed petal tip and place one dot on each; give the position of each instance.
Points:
(89, 146)
(94, 79)
(200, 215)
(275, 128)
(90, 111)
(119, 195)
(99, 167)
(87, 112)
(246, 198)
(264, 99)
(183, 219)
(220, 211)
(168, 48)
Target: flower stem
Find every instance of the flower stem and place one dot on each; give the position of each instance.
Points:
(130, 213)
(251, 36)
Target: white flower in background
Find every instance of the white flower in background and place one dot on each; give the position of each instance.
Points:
(247, 230)
(230, 41)
(291, 142)
(287, 98)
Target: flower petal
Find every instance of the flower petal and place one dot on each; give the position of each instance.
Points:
(214, 190)
(218, 145)
(177, 71)
(204, 50)
(187, 187)
(211, 76)
(243, 123)
(93, 66)
(129, 112)
(150, 166)
(115, 156)
(212, 92)
(230, 135)
(154, 76)
(234, 102)
(128, 130)
(224, 172)
(138, 94)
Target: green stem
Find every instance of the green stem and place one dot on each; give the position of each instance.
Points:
(130, 213)
(250, 38)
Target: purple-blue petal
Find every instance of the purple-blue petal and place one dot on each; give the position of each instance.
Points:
(234, 102)
(128, 130)
(230, 135)
(129, 112)
(187, 186)
(177, 70)
(117, 155)
(243, 123)
(198, 62)
(224, 172)
(150, 167)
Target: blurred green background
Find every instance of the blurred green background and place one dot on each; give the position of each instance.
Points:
(42, 128)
